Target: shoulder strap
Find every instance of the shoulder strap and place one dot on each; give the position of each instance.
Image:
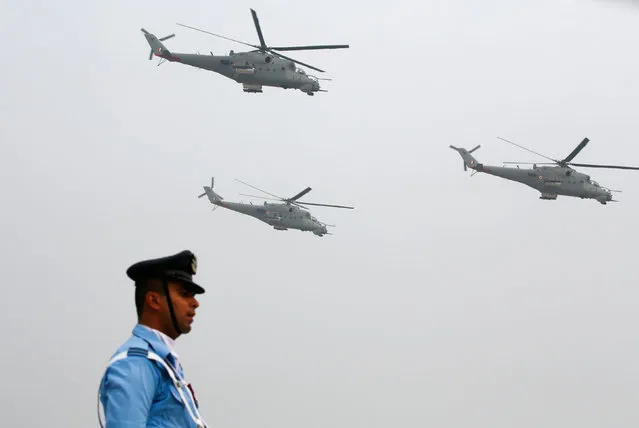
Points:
(179, 384)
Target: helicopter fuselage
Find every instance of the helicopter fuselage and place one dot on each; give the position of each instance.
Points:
(551, 181)
(252, 69)
(280, 216)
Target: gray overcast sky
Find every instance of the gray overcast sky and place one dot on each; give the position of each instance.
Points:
(442, 300)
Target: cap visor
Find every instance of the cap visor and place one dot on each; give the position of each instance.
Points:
(192, 286)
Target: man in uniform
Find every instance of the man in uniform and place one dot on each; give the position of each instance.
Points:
(143, 385)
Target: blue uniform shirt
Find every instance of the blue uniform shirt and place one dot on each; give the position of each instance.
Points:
(138, 391)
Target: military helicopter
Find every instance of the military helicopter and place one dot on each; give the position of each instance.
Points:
(550, 181)
(253, 69)
(282, 216)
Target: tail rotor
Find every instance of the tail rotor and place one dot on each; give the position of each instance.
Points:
(212, 185)
(152, 39)
(467, 159)
(214, 198)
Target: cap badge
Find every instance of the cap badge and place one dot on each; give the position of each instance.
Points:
(194, 264)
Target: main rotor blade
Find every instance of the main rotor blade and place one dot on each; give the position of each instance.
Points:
(294, 60)
(308, 48)
(259, 197)
(259, 29)
(300, 194)
(522, 147)
(217, 35)
(273, 199)
(263, 191)
(530, 163)
(296, 204)
(328, 205)
(574, 153)
(589, 165)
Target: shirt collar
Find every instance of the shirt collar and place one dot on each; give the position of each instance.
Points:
(167, 341)
(160, 342)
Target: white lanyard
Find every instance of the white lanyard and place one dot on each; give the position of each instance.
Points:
(179, 383)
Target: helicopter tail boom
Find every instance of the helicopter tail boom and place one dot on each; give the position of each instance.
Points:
(468, 158)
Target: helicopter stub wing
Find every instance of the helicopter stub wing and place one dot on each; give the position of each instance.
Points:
(256, 89)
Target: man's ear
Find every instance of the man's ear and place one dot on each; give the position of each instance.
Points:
(154, 300)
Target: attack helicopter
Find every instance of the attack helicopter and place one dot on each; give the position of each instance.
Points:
(288, 214)
(550, 181)
(263, 66)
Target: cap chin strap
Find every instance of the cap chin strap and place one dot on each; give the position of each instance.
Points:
(165, 284)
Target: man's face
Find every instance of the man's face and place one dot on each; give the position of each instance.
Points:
(184, 305)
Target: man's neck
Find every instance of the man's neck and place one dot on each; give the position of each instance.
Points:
(155, 323)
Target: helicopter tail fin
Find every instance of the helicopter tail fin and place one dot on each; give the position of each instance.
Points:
(468, 158)
(213, 197)
(157, 47)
